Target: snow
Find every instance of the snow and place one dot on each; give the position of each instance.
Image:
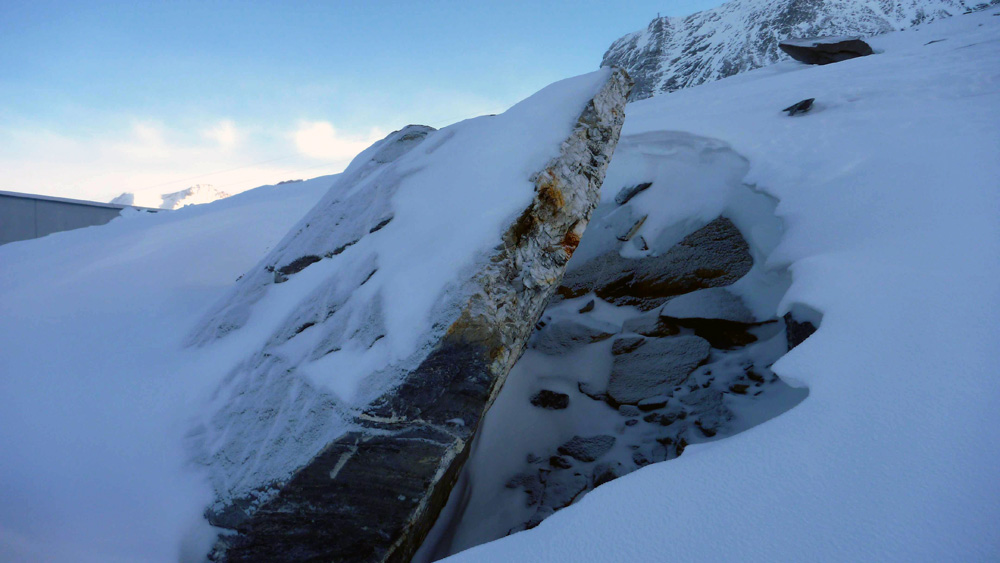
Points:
(887, 193)
(95, 390)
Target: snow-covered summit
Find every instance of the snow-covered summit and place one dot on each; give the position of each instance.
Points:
(196, 194)
(741, 35)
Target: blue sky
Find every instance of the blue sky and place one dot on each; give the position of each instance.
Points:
(150, 97)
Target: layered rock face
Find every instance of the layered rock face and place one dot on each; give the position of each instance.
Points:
(741, 35)
(341, 437)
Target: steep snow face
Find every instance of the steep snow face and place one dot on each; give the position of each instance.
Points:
(741, 35)
(96, 390)
(197, 194)
(887, 190)
(365, 286)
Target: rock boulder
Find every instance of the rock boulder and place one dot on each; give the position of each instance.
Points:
(825, 50)
(293, 483)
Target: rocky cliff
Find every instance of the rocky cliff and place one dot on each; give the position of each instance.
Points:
(741, 35)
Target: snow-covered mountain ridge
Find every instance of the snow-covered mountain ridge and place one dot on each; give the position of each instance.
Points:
(741, 35)
(194, 195)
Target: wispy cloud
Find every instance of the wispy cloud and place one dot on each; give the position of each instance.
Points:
(146, 156)
(320, 140)
(224, 133)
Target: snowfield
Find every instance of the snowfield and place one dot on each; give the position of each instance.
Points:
(889, 191)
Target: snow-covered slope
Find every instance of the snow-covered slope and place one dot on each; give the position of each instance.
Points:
(95, 388)
(196, 194)
(888, 193)
(674, 52)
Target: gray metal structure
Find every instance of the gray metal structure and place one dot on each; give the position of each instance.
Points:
(28, 216)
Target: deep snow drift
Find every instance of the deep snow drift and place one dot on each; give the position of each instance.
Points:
(887, 189)
(96, 390)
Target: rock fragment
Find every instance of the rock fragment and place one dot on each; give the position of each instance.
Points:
(825, 50)
(655, 368)
(587, 448)
(552, 400)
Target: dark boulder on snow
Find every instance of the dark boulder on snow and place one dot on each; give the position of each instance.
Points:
(587, 448)
(307, 466)
(825, 50)
(655, 368)
(628, 192)
(800, 107)
(797, 331)
(552, 400)
(715, 255)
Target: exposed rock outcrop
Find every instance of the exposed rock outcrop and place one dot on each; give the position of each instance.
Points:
(374, 485)
(825, 50)
(713, 256)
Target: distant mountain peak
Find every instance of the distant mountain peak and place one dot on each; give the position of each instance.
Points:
(741, 35)
(196, 194)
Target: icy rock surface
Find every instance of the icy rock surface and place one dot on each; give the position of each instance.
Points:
(741, 35)
(396, 308)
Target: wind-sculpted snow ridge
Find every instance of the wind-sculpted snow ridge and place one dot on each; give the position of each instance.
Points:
(385, 322)
(741, 35)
